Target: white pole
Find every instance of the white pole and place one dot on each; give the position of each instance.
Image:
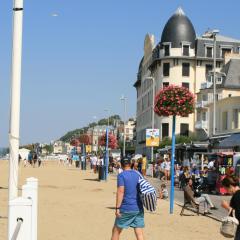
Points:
(15, 102)
(15, 98)
(15, 106)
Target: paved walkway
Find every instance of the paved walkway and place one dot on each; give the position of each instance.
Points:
(178, 194)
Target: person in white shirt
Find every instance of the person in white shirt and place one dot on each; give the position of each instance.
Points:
(167, 168)
(94, 163)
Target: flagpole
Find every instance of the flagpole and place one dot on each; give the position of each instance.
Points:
(15, 100)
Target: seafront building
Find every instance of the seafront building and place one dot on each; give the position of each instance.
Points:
(184, 59)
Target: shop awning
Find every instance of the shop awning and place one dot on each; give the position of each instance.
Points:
(232, 141)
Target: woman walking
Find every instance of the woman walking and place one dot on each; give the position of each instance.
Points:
(231, 184)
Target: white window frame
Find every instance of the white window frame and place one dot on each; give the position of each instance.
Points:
(207, 46)
(226, 47)
(217, 80)
(165, 44)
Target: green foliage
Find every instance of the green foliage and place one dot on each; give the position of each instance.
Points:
(28, 146)
(179, 139)
(165, 142)
(49, 148)
(77, 132)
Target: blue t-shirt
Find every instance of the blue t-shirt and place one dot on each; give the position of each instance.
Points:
(131, 199)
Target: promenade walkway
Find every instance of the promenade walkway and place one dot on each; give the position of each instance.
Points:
(73, 206)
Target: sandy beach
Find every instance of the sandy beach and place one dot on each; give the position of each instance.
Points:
(73, 206)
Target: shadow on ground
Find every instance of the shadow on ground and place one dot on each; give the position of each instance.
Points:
(91, 179)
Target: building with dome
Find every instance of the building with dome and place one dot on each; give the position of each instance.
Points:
(184, 59)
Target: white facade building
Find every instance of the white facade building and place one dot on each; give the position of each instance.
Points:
(180, 58)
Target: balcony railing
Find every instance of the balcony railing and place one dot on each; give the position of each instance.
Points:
(201, 104)
(205, 85)
(201, 125)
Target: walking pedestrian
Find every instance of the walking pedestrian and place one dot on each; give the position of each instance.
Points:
(231, 184)
(129, 209)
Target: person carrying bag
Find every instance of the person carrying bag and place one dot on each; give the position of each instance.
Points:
(230, 224)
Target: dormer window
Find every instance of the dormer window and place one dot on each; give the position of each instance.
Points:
(166, 50)
(209, 52)
(225, 50)
(219, 80)
(185, 49)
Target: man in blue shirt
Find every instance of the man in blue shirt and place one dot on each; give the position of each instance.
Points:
(129, 208)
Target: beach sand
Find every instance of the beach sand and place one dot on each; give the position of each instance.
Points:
(73, 206)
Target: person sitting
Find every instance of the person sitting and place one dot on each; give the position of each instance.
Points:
(183, 176)
(163, 193)
(203, 198)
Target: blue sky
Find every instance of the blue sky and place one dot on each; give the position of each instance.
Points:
(81, 62)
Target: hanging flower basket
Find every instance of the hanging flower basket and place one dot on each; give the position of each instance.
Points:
(112, 141)
(174, 100)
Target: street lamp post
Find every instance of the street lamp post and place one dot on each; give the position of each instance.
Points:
(214, 81)
(124, 99)
(106, 151)
(212, 34)
(15, 98)
(15, 103)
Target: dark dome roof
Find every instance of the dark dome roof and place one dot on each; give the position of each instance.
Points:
(178, 29)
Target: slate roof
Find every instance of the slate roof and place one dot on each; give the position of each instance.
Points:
(232, 141)
(232, 71)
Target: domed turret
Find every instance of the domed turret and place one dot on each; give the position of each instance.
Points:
(179, 29)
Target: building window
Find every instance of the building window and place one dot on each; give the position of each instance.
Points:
(205, 97)
(185, 69)
(166, 50)
(225, 120)
(166, 68)
(236, 118)
(165, 130)
(185, 84)
(225, 51)
(165, 84)
(218, 64)
(186, 50)
(209, 68)
(184, 129)
(199, 62)
(204, 116)
(209, 52)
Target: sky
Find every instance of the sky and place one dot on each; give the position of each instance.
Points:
(79, 57)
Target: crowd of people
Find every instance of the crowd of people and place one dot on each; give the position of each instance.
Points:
(129, 210)
(33, 159)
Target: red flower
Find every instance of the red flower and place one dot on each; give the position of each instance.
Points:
(174, 100)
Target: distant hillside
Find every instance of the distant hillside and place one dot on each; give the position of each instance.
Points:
(71, 134)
